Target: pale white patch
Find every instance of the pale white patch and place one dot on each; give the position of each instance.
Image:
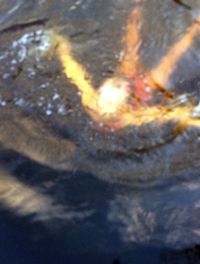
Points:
(31, 72)
(33, 43)
(72, 8)
(20, 101)
(13, 62)
(148, 89)
(196, 232)
(55, 96)
(112, 96)
(44, 85)
(6, 76)
(196, 111)
(183, 99)
(48, 112)
(2, 102)
(61, 109)
(12, 10)
(4, 56)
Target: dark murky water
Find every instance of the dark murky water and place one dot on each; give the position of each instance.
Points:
(58, 200)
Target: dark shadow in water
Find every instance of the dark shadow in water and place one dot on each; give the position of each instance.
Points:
(23, 242)
(22, 26)
(57, 241)
(88, 240)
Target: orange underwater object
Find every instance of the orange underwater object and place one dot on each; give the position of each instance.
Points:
(126, 101)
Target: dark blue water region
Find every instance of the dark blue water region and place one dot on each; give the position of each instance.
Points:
(23, 242)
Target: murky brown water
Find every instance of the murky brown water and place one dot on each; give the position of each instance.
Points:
(138, 186)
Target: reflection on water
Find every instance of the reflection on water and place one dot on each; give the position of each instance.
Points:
(8, 8)
(51, 150)
(168, 215)
(24, 200)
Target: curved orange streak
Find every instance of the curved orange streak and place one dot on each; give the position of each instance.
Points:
(76, 73)
(161, 73)
(130, 61)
